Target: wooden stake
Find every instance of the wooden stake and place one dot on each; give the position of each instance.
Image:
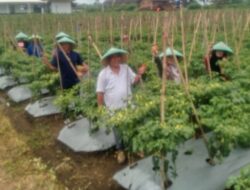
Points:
(95, 46)
(183, 43)
(194, 39)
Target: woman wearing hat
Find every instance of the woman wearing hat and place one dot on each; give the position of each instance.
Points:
(22, 41)
(219, 52)
(68, 62)
(114, 85)
(35, 47)
(172, 71)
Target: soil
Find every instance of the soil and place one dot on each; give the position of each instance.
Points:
(90, 171)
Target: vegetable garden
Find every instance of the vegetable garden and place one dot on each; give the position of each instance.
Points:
(162, 115)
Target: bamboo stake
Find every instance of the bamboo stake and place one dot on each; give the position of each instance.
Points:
(194, 38)
(59, 69)
(164, 176)
(207, 46)
(111, 30)
(96, 30)
(224, 28)
(186, 90)
(156, 27)
(140, 22)
(183, 44)
(121, 30)
(214, 28)
(95, 46)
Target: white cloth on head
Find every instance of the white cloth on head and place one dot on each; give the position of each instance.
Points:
(116, 86)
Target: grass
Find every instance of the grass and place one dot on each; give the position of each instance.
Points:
(19, 169)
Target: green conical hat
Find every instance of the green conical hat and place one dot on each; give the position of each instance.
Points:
(221, 46)
(113, 51)
(66, 40)
(21, 36)
(35, 36)
(169, 52)
(61, 35)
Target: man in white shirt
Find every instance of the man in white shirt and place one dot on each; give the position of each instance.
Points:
(114, 85)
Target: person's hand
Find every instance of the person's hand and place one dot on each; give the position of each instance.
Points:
(125, 38)
(142, 69)
(83, 68)
(79, 74)
(154, 49)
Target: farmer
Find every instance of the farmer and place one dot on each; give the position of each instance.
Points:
(114, 85)
(35, 47)
(22, 41)
(68, 62)
(172, 71)
(219, 52)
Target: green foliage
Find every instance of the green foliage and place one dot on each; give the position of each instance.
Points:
(193, 5)
(79, 100)
(222, 103)
(240, 182)
(21, 66)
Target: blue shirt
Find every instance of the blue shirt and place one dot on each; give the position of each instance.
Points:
(34, 50)
(68, 76)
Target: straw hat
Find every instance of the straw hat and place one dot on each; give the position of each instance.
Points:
(113, 51)
(170, 52)
(221, 46)
(61, 35)
(21, 36)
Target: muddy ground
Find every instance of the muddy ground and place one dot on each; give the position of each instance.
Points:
(36, 155)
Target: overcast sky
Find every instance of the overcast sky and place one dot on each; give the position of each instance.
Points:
(87, 1)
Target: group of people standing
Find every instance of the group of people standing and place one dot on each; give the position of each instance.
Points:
(116, 79)
(30, 44)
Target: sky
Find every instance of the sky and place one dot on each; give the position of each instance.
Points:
(87, 1)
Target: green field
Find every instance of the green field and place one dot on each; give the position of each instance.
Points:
(162, 114)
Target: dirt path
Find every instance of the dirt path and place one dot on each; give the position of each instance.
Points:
(32, 149)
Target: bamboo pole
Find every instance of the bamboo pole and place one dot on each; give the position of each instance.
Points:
(195, 112)
(121, 30)
(164, 175)
(207, 45)
(111, 30)
(224, 28)
(140, 22)
(183, 43)
(95, 46)
(194, 38)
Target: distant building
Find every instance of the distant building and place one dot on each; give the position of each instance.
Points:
(60, 6)
(35, 6)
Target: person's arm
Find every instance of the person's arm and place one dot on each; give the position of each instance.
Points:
(81, 67)
(48, 64)
(100, 99)
(100, 89)
(84, 68)
(136, 78)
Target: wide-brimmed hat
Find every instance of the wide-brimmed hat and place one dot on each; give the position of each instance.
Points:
(66, 40)
(113, 51)
(21, 36)
(171, 52)
(61, 35)
(221, 46)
